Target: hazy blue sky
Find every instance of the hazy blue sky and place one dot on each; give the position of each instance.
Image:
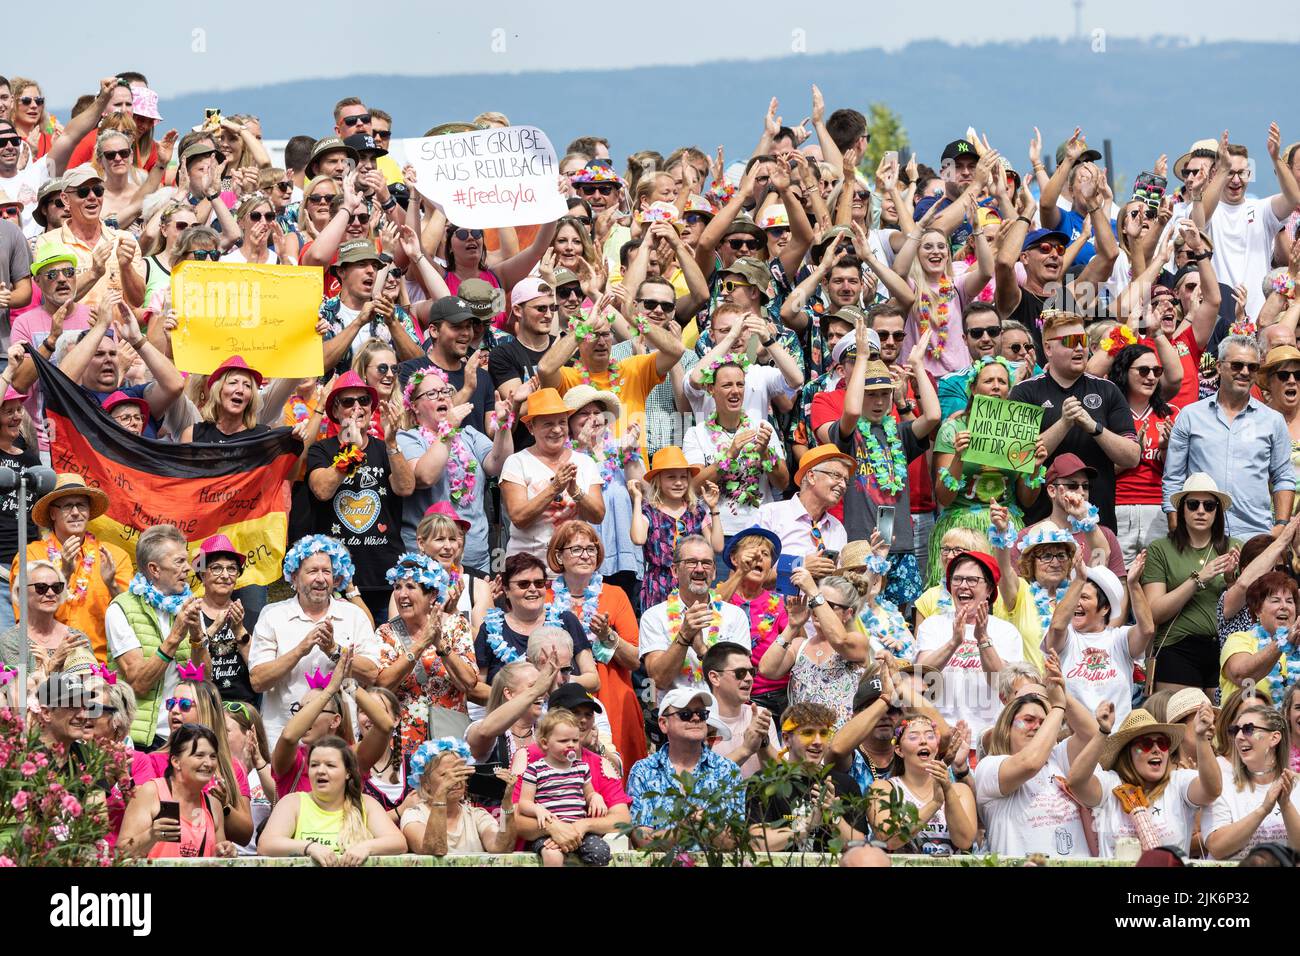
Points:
(238, 43)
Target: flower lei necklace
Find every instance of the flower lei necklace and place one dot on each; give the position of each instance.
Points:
(1280, 637)
(89, 549)
(946, 292)
(167, 603)
(493, 623)
(615, 378)
(741, 474)
(889, 473)
(693, 672)
(610, 456)
(766, 611)
(461, 465)
(563, 601)
(882, 620)
(1045, 603)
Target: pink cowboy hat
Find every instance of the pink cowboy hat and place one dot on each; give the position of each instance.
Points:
(218, 544)
(350, 380)
(447, 511)
(235, 362)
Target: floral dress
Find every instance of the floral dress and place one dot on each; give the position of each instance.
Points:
(663, 534)
(428, 684)
(831, 684)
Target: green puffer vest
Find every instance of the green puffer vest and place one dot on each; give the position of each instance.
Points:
(148, 631)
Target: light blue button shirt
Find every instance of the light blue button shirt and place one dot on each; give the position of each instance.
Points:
(1248, 457)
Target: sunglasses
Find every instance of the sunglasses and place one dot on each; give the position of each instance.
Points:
(1018, 348)
(1149, 371)
(181, 225)
(1076, 341)
(891, 336)
(268, 217)
(284, 187)
(209, 255)
(360, 218)
(9, 142)
(238, 707)
(532, 584)
(572, 291)
(1152, 742)
(740, 672)
(115, 154)
(1050, 248)
(295, 707)
(690, 716)
(1287, 375)
(731, 286)
(381, 133)
(741, 245)
(321, 199)
(987, 331)
(29, 100)
(860, 195)
(348, 401)
(84, 191)
(809, 734)
(692, 218)
(654, 305)
(383, 368)
(67, 272)
(43, 589)
(463, 234)
(1072, 485)
(1200, 504)
(604, 189)
(186, 704)
(1251, 367)
(776, 232)
(354, 120)
(1250, 730)
(839, 607)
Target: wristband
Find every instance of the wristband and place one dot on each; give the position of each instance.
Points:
(876, 565)
(215, 196)
(307, 847)
(1025, 219)
(1087, 524)
(385, 206)
(1060, 707)
(163, 654)
(1003, 541)
(46, 344)
(962, 774)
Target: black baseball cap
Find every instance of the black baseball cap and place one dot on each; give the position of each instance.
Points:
(959, 147)
(571, 695)
(451, 309)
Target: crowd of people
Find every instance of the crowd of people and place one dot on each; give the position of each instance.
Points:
(673, 491)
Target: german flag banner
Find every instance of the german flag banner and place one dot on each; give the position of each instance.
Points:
(203, 489)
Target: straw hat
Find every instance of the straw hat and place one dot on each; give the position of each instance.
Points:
(69, 486)
(1200, 146)
(853, 556)
(1278, 355)
(1187, 701)
(1135, 725)
(670, 458)
(545, 401)
(1198, 482)
(580, 396)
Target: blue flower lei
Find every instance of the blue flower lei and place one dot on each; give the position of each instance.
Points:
(1088, 523)
(141, 586)
(563, 601)
(890, 473)
(877, 565)
(340, 560)
(421, 569)
(1045, 604)
(1280, 637)
(429, 749)
(493, 624)
(894, 626)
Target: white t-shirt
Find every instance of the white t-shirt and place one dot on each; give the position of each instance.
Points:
(734, 627)
(1243, 246)
(1098, 667)
(121, 638)
(969, 693)
(1233, 804)
(1173, 815)
(237, 255)
(524, 468)
(1036, 818)
(699, 449)
(762, 384)
(23, 186)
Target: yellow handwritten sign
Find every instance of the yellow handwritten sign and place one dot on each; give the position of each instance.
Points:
(267, 314)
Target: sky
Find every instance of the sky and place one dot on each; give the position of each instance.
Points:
(238, 43)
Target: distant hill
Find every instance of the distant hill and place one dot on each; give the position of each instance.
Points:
(1146, 96)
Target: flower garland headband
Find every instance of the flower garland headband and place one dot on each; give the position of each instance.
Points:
(340, 561)
(423, 570)
(417, 378)
(973, 375)
(710, 371)
(428, 750)
(1118, 339)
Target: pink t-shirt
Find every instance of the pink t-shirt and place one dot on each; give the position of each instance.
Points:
(759, 638)
(610, 788)
(955, 355)
(154, 765)
(297, 771)
(33, 327)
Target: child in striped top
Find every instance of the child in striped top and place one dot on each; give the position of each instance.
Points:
(558, 787)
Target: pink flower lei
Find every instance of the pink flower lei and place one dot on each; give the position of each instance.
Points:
(462, 467)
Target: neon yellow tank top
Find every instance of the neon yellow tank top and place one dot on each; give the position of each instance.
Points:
(320, 825)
